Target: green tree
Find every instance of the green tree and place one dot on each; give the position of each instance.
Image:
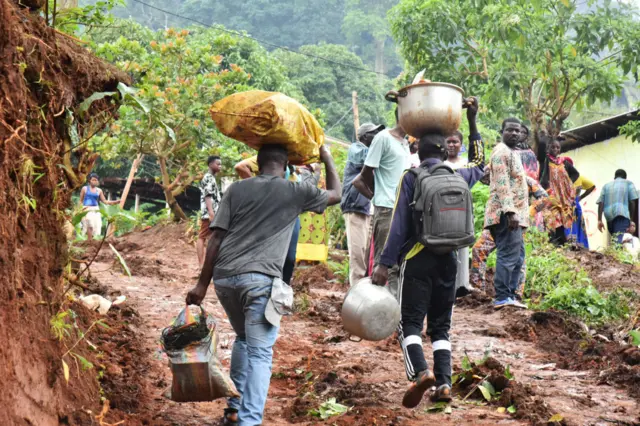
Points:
(178, 75)
(282, 22)
(330, 87)
(366, 20)
(542, 57)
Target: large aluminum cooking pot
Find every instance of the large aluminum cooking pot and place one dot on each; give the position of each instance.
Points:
(428, 108)
(370, 311)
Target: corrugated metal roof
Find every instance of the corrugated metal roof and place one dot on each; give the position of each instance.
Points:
(597, 131)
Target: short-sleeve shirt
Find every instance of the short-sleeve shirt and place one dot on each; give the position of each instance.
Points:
(209, 188)
(389, 157)
(584, 183)
(616, 196)
(258, 215)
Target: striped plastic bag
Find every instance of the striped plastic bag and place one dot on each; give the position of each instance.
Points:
(191, 344)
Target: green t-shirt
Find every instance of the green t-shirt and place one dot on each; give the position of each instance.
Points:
(389, 157)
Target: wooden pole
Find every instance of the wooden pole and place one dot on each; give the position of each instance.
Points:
(125, 191)
(132, 173)
(356, 115)
(137, 207)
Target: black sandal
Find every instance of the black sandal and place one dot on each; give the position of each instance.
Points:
(230, 417)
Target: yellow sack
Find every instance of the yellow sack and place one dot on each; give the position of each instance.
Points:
(257, 117)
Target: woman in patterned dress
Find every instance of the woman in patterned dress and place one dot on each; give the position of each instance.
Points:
(557, 177)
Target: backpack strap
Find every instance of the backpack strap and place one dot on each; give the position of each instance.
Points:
(419, 173)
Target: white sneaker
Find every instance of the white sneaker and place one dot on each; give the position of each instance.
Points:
(518, 304)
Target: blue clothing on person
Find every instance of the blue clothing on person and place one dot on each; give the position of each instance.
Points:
(578, 231)
(616, 196)
(352, 200)
(244, 298)
(91, 199)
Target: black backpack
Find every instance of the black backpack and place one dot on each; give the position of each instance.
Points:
(442, 209)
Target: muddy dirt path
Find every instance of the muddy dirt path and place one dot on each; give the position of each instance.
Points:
(314, 360)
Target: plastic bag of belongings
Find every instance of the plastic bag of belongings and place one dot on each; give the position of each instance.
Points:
(191, 344)
(257, 117)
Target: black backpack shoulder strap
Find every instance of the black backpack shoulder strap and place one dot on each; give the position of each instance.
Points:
(419, 173)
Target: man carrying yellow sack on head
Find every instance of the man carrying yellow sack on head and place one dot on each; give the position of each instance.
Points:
(248, 168)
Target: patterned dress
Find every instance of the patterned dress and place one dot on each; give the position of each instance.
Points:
(562, 196)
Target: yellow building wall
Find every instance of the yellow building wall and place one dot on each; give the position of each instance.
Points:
(598, 162)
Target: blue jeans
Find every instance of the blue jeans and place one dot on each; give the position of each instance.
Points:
(617, 227)
(290, 260)
(244, 298)
(509, 259)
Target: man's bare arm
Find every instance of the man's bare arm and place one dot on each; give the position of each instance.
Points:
(364, 182)
(334, 188)
(197, 294)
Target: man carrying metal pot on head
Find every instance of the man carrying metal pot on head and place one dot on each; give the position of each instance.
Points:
(428, 263)
(388, 156)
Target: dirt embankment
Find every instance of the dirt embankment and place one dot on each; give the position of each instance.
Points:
(43, 77)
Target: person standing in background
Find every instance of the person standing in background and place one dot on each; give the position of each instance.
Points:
(619, 202)
(507, 213)
(388, 157)
(210, 197)
(557, 176)
(90, 198)
(356, 208)
(455, 161)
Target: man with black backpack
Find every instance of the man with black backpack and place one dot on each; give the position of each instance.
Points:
(433, 217)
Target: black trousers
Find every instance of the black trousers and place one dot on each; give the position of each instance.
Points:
(427, 286)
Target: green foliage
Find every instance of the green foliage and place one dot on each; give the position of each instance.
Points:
(480, 194)
(635, 337)
(541, 56)
(439, 407)
(329, 409)
(143, 218)
(72, 19)
(123, 263)
(336, 227)
(366, 27)
(619, 253)
(178, 75)
(632, 130)
(557, 282)
(340, 269)
(60, 328)
(329, 87)
(487, 390)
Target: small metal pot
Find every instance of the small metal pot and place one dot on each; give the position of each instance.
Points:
(370, 311)
(428, 108)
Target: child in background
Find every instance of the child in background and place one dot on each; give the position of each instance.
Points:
(630, 242)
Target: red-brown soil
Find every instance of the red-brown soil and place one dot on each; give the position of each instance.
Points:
(314, 360)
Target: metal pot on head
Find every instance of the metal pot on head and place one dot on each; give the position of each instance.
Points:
(428, 107)
(370, 311)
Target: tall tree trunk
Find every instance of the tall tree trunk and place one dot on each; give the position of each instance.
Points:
(178, 213)
(379, 65)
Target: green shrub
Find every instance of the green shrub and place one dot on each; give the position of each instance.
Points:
(555, 281)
